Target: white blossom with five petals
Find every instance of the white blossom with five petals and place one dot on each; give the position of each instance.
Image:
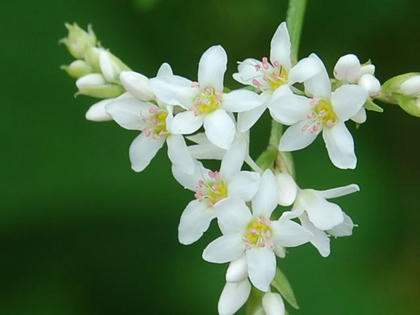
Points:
(326, 112)
(154, 120)
(204, 101)
(321, 217)
(270, 74)
(255, 235)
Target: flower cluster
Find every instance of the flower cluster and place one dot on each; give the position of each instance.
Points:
(201, 119)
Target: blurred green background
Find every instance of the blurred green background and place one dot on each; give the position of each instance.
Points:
(80, 233)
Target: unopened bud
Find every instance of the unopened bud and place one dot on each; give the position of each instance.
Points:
(237, 270)
(77, 69)
(287, 189)
(370, 84)
(110, 66)
(94, 85)
(347, 69)
(411, 86)
(78, 40)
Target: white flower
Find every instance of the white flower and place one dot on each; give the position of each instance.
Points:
(321, 217)
(349, 70)
(204, 101)
(325, 112)
(215, 192)
(255, 234)
(154, 121)
(267, 76)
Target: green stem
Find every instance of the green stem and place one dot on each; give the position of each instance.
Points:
(294, 20)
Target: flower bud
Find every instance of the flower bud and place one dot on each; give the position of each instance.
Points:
(273, 304)
(287, 189)
(77, 69)
(110, 66)
(94, 85)
(370, 84)
(137, 84)
(411, 86)
(347, 68)
(78, 40)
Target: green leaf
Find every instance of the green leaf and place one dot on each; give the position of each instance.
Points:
(254, 304)
(282, 285)
(370, 105)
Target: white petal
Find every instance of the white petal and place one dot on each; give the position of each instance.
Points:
(244, 185)
(261, 267)
(164, 70)
(343, 229)
(237, 270)
(281, 46)
(319, 85)
(128, 112)
(137, 85)
(360, 117)
(287, 189)
(195, 220)
(233, 215)
(273, 304)
(305, 69)
(174, 90)
(189, 179)
(297, 137)
(288, 108)
(179, 154)
(142, 150)
(97, 111)
(320, 239)
(224, 249)
(241, 100)
(294, 213)
(212, 67)
(233, 160)
(322, 213)
(206, 152)
(247, 119)
(219, 128)
(266, 198)
(411, 86)
(347, 69)
(234, 295)
(247, 71)
(185, 123)
(287, 233)
(340, 146)
(370, 84)
(347, 100)
(338, 191)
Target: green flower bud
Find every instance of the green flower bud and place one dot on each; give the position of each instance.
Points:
(92, 58)
(78, 40)
(404, 90)
(94, 85)
(77, 69)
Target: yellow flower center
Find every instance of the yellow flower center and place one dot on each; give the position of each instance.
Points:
(155, 123)
(272, 76)
(325, 113)
(207, 101)
(213, 190)
(258, 233)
